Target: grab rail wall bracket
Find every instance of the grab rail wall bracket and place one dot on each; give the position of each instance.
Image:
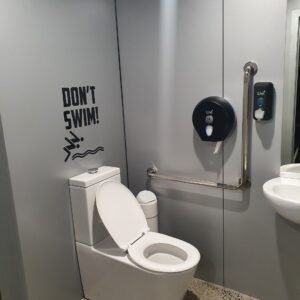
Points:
(250, 69)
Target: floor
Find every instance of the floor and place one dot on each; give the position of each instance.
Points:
(202, 290)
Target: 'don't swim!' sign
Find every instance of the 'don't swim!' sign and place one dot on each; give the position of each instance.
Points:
(75, 100)
(80, 110)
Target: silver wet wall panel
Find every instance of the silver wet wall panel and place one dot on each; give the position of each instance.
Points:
(171, 58)
(261, 250)
(45, 46)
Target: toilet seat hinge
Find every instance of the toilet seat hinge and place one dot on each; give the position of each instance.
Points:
(143, 233)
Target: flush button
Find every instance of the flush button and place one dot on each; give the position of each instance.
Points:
(209, 130)
(93, 170)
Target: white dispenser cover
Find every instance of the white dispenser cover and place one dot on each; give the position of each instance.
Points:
(146, 197)
(120, 213)
(148, 203)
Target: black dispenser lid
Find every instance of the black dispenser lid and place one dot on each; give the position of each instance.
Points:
(217, 114)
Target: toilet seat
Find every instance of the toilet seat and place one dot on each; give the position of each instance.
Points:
(162, 253)
(121, 213)
(125, 221)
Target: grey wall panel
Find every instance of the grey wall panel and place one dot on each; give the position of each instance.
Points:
(46, 45)
(171, 58)
(260, 248)
(12, 279)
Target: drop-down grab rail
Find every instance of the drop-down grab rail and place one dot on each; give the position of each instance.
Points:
(250, 69)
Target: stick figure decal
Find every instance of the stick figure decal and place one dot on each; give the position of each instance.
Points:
(74, 143)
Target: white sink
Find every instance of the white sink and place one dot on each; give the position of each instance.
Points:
(290, 171)
(284, 195)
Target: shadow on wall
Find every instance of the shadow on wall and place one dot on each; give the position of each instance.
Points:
(237, 201)
(12, 280)
(229, 143)
(289, 255)
(214, 164)
(182, 193)
(211, 162)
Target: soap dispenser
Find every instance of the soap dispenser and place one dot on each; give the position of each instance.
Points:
(213, 119)
(263, 101)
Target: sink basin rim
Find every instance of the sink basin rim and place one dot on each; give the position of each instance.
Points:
(269, 186)
(290, 171)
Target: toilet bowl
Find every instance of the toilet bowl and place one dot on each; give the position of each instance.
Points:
(119, 257)
(150, 250)
(161, 253)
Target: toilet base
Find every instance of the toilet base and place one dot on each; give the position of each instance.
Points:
(108, 274)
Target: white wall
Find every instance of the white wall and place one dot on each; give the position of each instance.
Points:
(45, 46)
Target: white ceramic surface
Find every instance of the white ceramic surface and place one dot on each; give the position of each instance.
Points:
(88, 226)
(121, 213)
(284, 196)
(290, 171)
(108, 273)
(162, 253)
(157, 266)
(87, 179)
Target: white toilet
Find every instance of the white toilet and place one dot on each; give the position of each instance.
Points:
(119, 258)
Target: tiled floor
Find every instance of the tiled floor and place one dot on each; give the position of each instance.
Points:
(201, 290)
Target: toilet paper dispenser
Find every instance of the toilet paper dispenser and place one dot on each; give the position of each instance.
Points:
(213, 119)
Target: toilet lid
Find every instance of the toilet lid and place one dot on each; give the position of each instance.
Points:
(120, 213)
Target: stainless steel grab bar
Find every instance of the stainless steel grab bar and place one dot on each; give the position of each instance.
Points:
(250, 69)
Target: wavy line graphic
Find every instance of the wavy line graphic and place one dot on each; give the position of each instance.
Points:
(84, 154)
